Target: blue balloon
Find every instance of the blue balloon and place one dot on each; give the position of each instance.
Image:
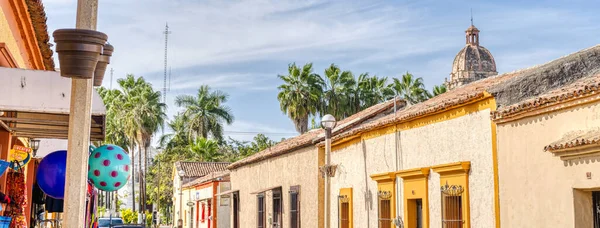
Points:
(51, 174)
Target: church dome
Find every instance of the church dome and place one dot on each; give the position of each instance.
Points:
(472, 63)
(474, 58)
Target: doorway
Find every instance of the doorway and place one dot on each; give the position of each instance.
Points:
(277, 201)
(596, 208)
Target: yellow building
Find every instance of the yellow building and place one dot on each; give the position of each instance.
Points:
(549, 149)
(185, 203)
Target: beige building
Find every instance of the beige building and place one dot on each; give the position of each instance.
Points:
(282, 186)
(435, 164)
(549, 150)
(185, 202)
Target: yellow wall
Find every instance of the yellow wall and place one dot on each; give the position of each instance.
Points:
(538, 188)
(347, 193)
(415, 187)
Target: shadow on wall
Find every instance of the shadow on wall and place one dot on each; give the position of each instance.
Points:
(581, 161)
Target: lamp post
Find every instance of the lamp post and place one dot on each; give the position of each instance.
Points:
(328, 122)
(180, 220)
(35, 145)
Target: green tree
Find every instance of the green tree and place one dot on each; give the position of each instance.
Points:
(439, 89)
(205, 150)
(262, 142)
(205, 113)
(300, 94)
(337, 92)
(410, 88)
(372, 90)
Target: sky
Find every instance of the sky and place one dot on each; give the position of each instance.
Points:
(240, 46)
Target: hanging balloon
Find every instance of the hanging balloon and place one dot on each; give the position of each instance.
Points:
(109, 167)
(51, 174)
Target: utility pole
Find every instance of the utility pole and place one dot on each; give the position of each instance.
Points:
(79, 130)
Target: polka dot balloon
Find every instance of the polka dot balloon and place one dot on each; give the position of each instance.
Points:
(109, 167)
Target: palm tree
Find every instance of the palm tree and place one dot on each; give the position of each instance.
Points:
(300, 94)
(374, 90)
(437, 90)
(410, 88)
(143, 114)
(178, 137)
(205, 113)
(337, 92)
(205, 150)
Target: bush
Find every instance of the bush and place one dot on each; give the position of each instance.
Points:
(148, 219)
(129, 216)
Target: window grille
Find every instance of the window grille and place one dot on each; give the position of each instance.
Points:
(261, 211)
(385, 209)
(452, 210)
(236, 212)
(295, 206)
(344, 212)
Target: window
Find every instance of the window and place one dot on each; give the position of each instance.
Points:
(454, 179)
(385, 207)
(345, 208)
(261, 211)
(452, 206)
(236, 210)
(295, 206)
(277, 208)
(386, 198)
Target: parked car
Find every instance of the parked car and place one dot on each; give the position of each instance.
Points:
(109, 222)
(130, 226)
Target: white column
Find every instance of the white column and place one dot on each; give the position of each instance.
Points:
(79, 130)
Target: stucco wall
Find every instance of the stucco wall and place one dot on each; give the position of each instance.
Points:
(296, 168)
(223, 210)
(178, 203)
(537, 188)
(380, 158)
(466, 138)
(9, 35)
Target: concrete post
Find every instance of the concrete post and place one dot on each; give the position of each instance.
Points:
(327, 178)
(79, 130)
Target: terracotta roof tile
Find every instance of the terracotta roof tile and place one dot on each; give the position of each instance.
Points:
(581, 88)
(313, 136)
(283, 147)
(209, 177)
(507, 89)
(200, 169)
(575, 139)
(38, 19)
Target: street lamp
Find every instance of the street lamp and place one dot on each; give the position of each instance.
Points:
(35, 145)
(180, 220)
(328, 122)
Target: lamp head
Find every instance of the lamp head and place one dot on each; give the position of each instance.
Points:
(328, 122)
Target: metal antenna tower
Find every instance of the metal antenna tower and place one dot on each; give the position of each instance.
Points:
(169, 80)
(166, 32)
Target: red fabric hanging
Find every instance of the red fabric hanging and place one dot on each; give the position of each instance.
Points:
(17, 191)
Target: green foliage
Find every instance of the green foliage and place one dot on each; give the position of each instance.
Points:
(300, 94)
(205, 113)
(304, 94)
(439, 89)
(148, 219)
(128, 216)
(410, 89)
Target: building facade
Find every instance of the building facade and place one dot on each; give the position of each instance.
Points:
(185, 205)
(549, 149)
